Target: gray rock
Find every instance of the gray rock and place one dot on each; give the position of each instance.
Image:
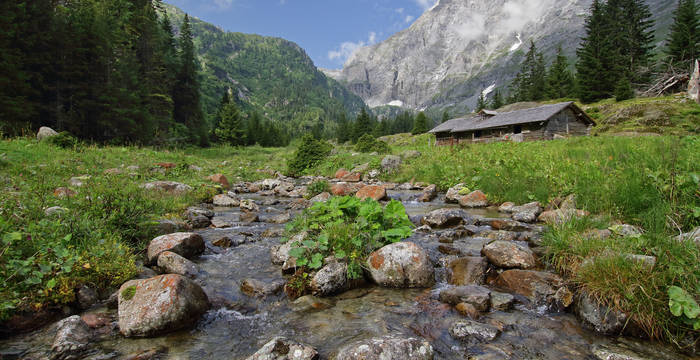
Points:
(527, 213)
(279, 219)
(389, 347)
(646, 261)
(322, 197)
(87, 297)
(508, 254)
(270, 184)
(597, 316)
(613, 352)
(249, 205)
(45, 132)
(476, 295)
(166, 226)
(429, 194)
(249, 217)
(391, 163)
(55, 211)
(72, 339)
(170, 187)
(172, 263)
(159, 305)
(537, 286)
(467, 270)
(194, 211)
(693, 235)
(220, 222)
(410, 154)
(506, 207)
(280, 254)
(360, 168)
(455, 193)
(446, 217)
(401, 265)
(225, 200)
(257, 288)
(183, 244)
(626, 230)
(501, 301)
(330, 279)
(281, 348)
(465, 329)
(199, 222)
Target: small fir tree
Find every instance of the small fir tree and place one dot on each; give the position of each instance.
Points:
(481, 103)
(420, 125)
(497, 102)
(623, 89)
(560, 81)
(683, 43)
(445, 116)
(230, 130)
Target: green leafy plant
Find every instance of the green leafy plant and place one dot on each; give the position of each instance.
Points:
(64, 140)
(348, 229)
(367, 144)
(309, 154)
(683, 305)
(317, 187)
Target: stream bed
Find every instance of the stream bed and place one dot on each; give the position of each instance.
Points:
(238, 325)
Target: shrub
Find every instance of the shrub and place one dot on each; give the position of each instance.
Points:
(309, 154)
(65, 140)
(367, 144)
(317, 187)
(349, 229)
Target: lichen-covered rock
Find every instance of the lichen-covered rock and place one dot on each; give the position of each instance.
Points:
(344, 188)
(183, 243)
(401, 265)
(560, 216)
(455, 193)
(330, 279)
(281, 348)
(506, 207)
(537, 286)
(508, 254)
(374, 192)
(388, 347)
(322, 197)
(474, 199)
(341, 173)
(172, 263)
(159, 305)
(352, 177)
(446, 217)
(72, 339)
(476, 295)
(225, 200)
(598, 316)
(249, 205)
(465, 329)
(527, 213)
(467, 270)
(170, 187)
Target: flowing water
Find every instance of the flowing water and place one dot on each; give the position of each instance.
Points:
(238, 325)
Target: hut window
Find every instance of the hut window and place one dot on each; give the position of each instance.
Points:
(518, 129)
(477, 134)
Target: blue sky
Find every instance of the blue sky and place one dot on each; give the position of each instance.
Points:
(329, 30)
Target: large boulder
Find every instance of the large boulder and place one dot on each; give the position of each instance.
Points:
(508, 254)
(172, 263)
(465, 329)
(170, 187)
(183, 243)
(159, 305)
(467, 270)
(391, 163)
(401, 265)
(598, 316)
(281, 348)
(446, 217)
(389, 347)
(45, 132)
(474, 199)
(72, 339)
(537, 286)
(375, 192)
(476, 295)
(330, 279)
(527, 213)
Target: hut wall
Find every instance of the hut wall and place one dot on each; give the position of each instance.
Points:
(566, 123)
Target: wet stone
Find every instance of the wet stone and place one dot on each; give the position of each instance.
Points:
(446, 217)
(257, 288)
(249, 217)
(72, 339)
(183, 244)
(471, 294)
(468, 329)
(467, 270)
(172, 263)
(501, 301)
(508, 254)
(281, 348)
(467, 309)
(390, 347)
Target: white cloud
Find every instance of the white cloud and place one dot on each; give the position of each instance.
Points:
(348, 48)
(408, 19)
(427, 4)
(516, 14)
(223, 4)
(400, 10)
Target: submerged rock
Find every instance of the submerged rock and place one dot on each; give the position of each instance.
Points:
(401, 265)
(159, 305)
(72, 339)
(183, 244)
(508, 254)
(501, 301)
(465, 329)
(281, 348)
(257, 288)
(467, 270)
(476, 295)
(389, 347)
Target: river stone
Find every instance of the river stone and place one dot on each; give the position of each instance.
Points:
(311, 303)
(87, 297)
(45, 132)
(352, 177)
(467, 309)
(225, 200)
(598, 316)
(537, 286)
(344, 188)
(331, 279)
(279, 219)
(280, 348)
(428, 194)
(467, 270)
(374, 192)
(474, 199)
(507, 254)
(391, 163)
(465, 329)
(183, 244)
(527, 213)
(471, 294)
(506, 207)
(172, 263)
(613, 352)
(322, 197)
(279, 254)
(257, 288)
(193, 211)
(159, 305)
(506, 224)
(221, 222)
(249, 217)
(389, 347)
(249, 205)
(401, 265)
(72, 339)
(199, 222)
(501, 301)
(454, 193)
(170, 187)
(446, 217)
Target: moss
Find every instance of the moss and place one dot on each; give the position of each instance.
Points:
(129, 293)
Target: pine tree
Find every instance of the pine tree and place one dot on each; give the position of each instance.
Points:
(628, 28)
(445, 116)
(683, 43)
(363, 125)
(594, 55)
(344, 133)
(230, 130)
(623, 89)
(420, 125)
(481, 103)
(560, 81)
(530, 83)
(187, 104)
(253, 129)
(497, 101)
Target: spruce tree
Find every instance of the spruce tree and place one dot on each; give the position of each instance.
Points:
(344, 133)
(497, 102)
(560, 81)
(420, 125)
(230, 130)
(253, 129)
(445, 116)
(683, 43)
(594, 55)
(623, 89)
(530, 83)
(481, 103)
(363, 125)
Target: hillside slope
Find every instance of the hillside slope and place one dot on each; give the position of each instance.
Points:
(270, 75)
(459, 48)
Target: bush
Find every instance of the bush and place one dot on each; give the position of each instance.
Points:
(367, 144)
(349, 229)
(65, 140)
(317, 187)
(309, 154)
